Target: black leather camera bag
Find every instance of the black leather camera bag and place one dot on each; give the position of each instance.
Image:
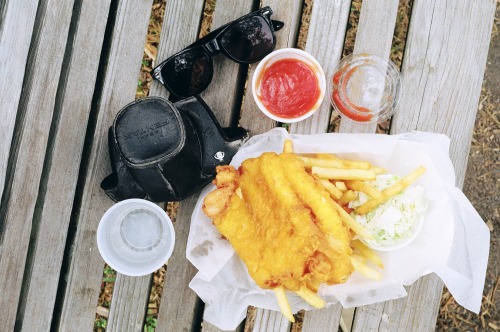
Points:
(162, 151)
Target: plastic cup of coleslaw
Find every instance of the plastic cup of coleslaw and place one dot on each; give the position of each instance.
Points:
(395, 223)
(399, 244)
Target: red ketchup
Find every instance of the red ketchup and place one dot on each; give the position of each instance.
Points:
(289, 88)
(354, 112)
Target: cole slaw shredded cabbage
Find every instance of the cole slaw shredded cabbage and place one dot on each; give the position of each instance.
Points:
(395, 220)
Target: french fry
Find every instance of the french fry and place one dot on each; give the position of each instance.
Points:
(368, 253)
(378, 170)
(335, 163)
(288, 146)
(341, 186)
(347, 197)
(359, 266)
(283, 303)
(370, 205)
(310, 297)
(404, 182)
(364, 188)
(313, 285)
(332, 190)
(349, 222)
(343, 174)
(391, 191)
(326, 156)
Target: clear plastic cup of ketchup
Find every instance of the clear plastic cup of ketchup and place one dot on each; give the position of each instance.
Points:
(288, 85)
(365, 88)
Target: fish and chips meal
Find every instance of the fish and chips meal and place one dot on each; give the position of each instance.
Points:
(294, 219)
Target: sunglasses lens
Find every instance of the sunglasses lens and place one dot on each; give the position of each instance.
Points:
(249, 40)
(188, 73)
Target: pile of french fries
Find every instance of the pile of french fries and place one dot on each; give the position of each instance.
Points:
(343, 179)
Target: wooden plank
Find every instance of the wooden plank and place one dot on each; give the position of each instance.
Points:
(36, 108)
(327, 319)
(129, 290)
(374, 36)
(440, 93)
(180, 309)
(120, 82)
(225, 78)
(442, 78)
(380, 35)
(43, 268)
(270, 320)
(324, 41)
(126, 287)
(181, 26)
(254, 120)
(16, 25)
(411, 313)
(207, 327)
(172, 20)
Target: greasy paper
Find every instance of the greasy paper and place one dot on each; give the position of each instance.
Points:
(453, 242)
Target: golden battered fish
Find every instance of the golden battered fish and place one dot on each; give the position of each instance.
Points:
(281, 223)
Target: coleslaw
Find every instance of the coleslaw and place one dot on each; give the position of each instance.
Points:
(397, 219)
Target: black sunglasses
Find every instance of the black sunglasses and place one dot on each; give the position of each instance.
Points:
(245, 40)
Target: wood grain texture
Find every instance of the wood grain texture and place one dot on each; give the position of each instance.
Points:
(412, 313)
(270, 320)
(254, 120)
(442, 82)
(440, 94)
(180, 309)
(325, 40)
(37, 102)
(327, 319)
(288, 12)
(181, 25)
(443, 69)
(222, 94)
(16, 27)
(86, 265)
(374, 36)
(72, 111)
(130, 299)
(207, 327)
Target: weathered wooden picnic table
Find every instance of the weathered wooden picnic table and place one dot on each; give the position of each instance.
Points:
(67, 67)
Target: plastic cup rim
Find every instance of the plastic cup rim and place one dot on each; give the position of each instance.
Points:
(165, 220)
(388, 110)
(320, 74)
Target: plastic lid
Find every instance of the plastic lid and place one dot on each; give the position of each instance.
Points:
(135, 237)
(365, 88)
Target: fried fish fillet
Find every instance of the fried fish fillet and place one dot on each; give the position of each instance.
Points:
(281, 223)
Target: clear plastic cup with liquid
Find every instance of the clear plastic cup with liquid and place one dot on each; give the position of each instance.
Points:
(135, 237)
(365, 88)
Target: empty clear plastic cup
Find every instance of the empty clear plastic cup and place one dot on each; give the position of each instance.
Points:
(365, 88)
(135, 237)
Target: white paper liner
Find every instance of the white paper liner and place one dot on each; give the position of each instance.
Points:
(453, 243)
